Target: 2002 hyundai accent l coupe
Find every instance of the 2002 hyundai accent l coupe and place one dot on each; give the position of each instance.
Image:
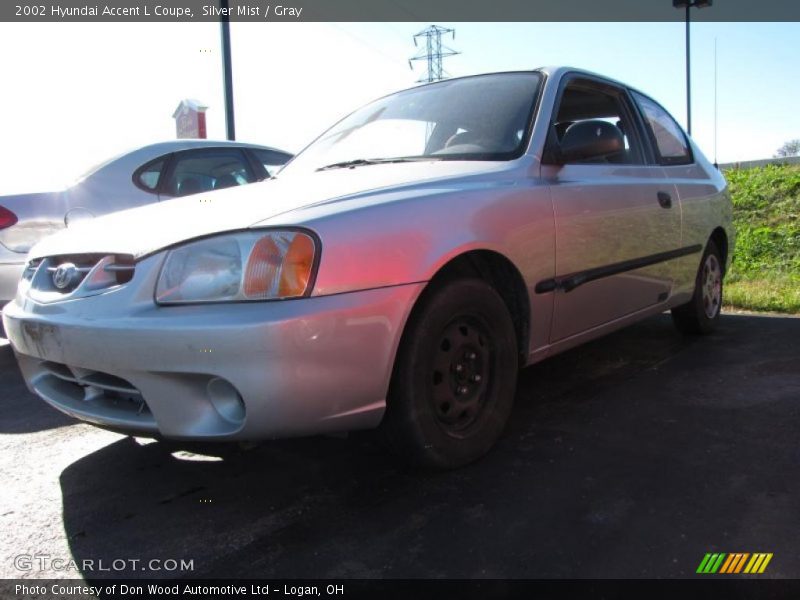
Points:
(395, 274)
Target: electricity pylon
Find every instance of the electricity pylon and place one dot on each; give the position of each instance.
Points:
(433, 52)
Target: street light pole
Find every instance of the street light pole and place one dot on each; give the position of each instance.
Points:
(688, 70)
(227, 70)
(688, 6)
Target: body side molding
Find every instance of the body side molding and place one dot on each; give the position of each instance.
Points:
(567, 283)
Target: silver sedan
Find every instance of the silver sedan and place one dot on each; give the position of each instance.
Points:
(148, 174)
(395, 275)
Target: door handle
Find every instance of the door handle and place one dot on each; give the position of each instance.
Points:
(665, 200)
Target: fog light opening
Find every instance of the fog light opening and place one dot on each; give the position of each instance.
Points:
(226, 400)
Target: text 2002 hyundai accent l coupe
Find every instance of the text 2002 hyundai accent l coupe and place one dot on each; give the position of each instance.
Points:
(396, 274)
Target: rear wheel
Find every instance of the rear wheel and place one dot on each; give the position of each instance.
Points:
(455, 375)
(701, 314)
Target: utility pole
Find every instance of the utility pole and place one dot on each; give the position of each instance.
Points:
(227, 71)
(688, 70)
(433, 52)
(688, 5)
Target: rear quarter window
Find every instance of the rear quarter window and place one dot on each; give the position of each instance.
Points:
(671, 144)
(147, 176)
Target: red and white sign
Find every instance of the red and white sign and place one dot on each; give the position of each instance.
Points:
(190, 119)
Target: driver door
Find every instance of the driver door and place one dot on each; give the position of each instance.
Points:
(617, 218)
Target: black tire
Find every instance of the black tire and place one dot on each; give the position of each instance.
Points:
(701, 314)
(454, 378)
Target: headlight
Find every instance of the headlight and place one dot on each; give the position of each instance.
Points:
(245, 266)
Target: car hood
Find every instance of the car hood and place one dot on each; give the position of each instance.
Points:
(145, 230)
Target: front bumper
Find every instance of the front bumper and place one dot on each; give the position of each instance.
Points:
(219, 371)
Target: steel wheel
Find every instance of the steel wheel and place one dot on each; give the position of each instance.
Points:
(461, 370)
(456, 369)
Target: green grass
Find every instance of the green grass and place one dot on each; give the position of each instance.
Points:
(765, 273)
(773, 294)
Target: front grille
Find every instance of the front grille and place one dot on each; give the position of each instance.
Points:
(72, 275)
(82, 265)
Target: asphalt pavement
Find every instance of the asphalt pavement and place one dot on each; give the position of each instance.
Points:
(629, 457)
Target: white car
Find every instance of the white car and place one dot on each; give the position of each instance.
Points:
(148, 174)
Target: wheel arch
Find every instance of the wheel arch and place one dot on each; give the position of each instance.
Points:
(502, 275)
(720, 239)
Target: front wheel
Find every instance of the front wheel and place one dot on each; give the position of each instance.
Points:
(701, 314)
(455, 376)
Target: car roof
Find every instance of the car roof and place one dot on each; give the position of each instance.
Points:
(555, 72)
(175, 145)
(134, 158)
(560, 71)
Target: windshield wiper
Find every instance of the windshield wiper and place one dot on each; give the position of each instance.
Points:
(360, 162)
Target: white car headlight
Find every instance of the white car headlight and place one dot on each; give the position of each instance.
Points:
(244, 266)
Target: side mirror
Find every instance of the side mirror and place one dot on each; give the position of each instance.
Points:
(590, 139)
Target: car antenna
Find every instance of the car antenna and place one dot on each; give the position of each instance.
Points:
(716, 164)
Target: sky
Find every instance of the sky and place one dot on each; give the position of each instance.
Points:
(75, 94)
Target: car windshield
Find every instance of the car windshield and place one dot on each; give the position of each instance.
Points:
(486, 117)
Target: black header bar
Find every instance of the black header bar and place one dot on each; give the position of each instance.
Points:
(451, 11)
